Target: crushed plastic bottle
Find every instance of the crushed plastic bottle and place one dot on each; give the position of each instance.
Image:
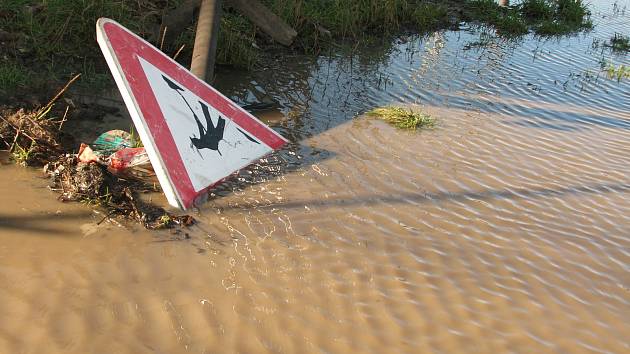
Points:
(131, 163)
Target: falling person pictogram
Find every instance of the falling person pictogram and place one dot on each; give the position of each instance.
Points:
(209, 136)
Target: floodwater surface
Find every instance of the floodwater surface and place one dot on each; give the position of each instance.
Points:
(504, 229)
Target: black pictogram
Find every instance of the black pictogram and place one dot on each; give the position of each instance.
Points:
(210, 135)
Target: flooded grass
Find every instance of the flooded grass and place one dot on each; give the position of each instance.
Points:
(49, 42)
(619, 43)
(544, 17)
(430, 16)
(510, 24)
(537, 10)
(403, 118)
(573, 12)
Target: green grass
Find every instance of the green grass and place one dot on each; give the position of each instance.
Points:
(403, 118)
(12, 77)
(237, 38)
(506, 20)
(569, 16)
(552, 28)
(428, 16)
(512, 23)
(572, 11)
(482, 10)
(345, 18)
(136, 142)
(22, 155)
(56, 38)
(537, 10)
(320, 23)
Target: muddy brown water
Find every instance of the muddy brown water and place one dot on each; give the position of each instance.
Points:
(504, 229)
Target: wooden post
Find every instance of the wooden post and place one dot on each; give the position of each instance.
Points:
(204, 52)
(269, 22)
(177, 20)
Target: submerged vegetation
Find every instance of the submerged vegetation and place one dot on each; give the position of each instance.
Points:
(544, 17)
(403, 118)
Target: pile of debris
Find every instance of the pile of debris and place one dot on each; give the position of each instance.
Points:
(109, 174)
(29, 137)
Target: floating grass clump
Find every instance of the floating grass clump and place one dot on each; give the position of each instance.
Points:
(618, 72)
(619, 43)
(403, 118)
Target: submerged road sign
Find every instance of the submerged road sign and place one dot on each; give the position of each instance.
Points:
(194, 136)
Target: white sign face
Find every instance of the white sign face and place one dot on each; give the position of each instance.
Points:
(193, 135)
(212, 146)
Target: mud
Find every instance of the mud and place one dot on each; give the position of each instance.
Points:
(506, 228)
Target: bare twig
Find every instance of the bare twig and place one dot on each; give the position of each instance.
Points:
(163, 36)
(62, 29)
(132, 202)
(17, 135)
(107, 216)
(64, 118)
(179, 51)
(3, 139)
(61, 92)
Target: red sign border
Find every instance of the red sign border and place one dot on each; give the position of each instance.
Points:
(125, 48)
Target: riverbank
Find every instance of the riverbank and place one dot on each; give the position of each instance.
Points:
(45, 44)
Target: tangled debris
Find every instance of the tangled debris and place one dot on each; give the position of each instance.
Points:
(93, 184)
(29, 137)
(34, 138)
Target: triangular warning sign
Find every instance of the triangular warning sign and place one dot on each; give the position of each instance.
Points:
(194, 136)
